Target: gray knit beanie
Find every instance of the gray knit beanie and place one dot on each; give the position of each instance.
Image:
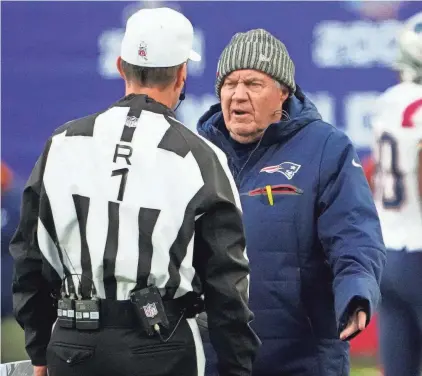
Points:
(260, 50)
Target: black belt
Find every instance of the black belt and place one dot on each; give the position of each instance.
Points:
(121, 313)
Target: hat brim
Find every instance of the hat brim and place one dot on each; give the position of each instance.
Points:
(194, 56)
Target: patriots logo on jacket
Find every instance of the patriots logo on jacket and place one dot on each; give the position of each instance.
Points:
(288, 169)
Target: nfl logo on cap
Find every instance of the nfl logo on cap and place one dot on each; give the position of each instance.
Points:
(142, 50)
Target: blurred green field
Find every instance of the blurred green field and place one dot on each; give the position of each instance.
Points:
(364, 371)
(12, 340)
(364, 366)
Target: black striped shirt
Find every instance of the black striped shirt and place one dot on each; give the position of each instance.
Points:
(127, 198)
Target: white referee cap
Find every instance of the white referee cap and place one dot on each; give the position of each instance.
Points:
(158, 37)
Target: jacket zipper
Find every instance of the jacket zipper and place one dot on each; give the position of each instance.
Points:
(244, 165)
(247, 161)
(236, 177)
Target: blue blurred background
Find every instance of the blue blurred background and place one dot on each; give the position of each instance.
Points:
(58, 63)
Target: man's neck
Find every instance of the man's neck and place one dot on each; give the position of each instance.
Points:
(160, 96)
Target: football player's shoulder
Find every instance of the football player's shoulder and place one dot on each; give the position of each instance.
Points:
(389, 97)
(413, 89)
(408, 100)
(392, 105)
(412, 114)
(403, 93)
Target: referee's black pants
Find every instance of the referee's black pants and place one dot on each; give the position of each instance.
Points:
(124, 350)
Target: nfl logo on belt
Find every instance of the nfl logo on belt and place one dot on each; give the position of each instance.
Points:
(150, 310)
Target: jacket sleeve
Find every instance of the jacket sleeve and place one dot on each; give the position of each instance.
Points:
(349, 229)
(33, 305)
(221, 261)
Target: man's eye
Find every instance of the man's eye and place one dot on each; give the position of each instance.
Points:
(254, 85)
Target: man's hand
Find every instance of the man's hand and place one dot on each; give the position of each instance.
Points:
(40, 371)
(357, 321)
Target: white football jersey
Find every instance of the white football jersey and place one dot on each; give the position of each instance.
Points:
(397, 126)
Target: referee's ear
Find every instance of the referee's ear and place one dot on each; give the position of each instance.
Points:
(119, 67)
(181, 76)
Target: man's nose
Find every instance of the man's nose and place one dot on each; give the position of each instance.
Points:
(240, 93)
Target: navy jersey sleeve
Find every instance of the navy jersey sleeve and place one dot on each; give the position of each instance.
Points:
(33, 304)
(349, 228)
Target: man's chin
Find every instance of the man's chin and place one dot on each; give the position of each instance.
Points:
(244, 133)
(245, 137)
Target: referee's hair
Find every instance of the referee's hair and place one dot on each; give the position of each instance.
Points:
(150, 77)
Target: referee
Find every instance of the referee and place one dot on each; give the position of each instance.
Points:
(127, 219)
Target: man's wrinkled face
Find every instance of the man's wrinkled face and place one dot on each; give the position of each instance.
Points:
(251, 101)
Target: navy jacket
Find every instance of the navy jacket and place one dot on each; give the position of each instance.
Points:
(314, 242)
